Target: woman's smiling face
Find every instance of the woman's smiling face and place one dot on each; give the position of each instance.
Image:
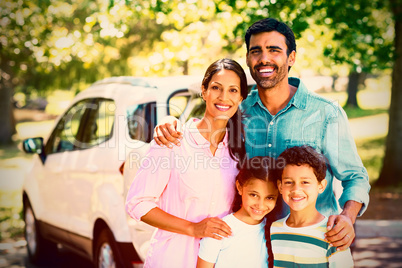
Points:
(222, 96)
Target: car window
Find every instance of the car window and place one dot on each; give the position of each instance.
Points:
(198, 108)
(141, 120)
(177, 103)
(67, 134)
(99, 123)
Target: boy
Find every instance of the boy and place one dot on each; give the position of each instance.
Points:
(298, 239)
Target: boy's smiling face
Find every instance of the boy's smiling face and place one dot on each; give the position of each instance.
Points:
(300, 188)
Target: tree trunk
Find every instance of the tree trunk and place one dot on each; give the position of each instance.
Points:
(334, 78)
(185, 67)
(355, 79)
(391, 173)
(352, 89)
(7, 121)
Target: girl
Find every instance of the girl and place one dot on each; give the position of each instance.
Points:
(192, 186)
(256, 196)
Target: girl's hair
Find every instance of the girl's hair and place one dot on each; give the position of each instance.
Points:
(237, 149)
(258, 167)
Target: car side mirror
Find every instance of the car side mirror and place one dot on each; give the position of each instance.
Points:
(33, 145)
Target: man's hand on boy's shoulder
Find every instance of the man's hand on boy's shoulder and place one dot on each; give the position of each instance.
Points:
(340, 231)
(168, 132)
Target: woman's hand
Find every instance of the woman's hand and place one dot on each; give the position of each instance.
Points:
(211, 227)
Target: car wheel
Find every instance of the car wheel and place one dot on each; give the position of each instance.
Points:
(106, 251)
(39, 248)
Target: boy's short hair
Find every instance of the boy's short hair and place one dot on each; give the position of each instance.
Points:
(303, 155)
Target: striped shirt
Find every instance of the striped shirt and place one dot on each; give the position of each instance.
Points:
(305, 247)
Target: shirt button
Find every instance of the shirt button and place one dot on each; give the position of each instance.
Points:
(272, 122)
(270, 145)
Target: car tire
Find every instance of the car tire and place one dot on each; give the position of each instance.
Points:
(106, 251)
(40, 250)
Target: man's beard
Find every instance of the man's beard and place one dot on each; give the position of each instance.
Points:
(269, 82)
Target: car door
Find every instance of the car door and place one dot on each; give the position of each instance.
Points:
(86, 170)
(62, 146)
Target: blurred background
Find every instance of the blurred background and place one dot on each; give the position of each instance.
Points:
(50, 50)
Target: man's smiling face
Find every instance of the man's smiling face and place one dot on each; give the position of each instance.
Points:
(268, 60)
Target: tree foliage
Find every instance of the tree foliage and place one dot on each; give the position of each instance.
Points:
(364, 34)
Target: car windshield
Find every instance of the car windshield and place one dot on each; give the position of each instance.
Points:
(141, 120)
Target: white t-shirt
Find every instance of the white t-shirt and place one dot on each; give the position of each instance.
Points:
(245, 248)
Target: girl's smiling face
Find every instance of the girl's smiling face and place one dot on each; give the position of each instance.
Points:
(258, 199)
(223, 95)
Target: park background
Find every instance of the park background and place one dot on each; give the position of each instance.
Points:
(51, 49)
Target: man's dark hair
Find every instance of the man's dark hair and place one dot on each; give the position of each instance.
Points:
(269, 25)
(304, 155)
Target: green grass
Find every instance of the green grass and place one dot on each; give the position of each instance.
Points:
(10, 151)
(11, 223)
(371, 152)
(359, 112)
(12, 163)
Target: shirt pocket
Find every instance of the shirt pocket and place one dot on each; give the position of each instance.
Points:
(316, 143)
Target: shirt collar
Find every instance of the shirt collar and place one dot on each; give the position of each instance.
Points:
(197, 136)
(299, 100)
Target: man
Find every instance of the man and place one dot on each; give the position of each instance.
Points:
(282, 113)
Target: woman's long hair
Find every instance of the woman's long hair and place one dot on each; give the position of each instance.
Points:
(236, 141)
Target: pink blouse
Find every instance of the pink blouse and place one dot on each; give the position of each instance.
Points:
(187, 182)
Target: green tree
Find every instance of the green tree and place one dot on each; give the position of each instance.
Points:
(363, 38)
(50, 44)
(192, 37)
(20, 32)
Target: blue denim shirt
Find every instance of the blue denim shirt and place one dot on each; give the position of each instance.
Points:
(313, 120)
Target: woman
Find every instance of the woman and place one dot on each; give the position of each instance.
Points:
(184, 191)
